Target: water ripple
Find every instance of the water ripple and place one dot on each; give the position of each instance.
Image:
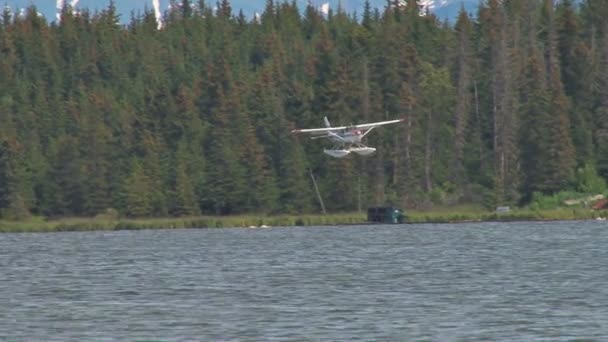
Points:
(467, 282)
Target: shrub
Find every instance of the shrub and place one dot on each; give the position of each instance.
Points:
(588, 181)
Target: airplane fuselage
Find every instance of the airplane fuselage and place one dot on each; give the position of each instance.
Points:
(348, 137)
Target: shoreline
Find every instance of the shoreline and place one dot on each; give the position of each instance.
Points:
(41, 225)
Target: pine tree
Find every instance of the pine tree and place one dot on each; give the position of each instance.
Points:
(157, 165)
(464, 30)
(12, 177)
(137, 192)
(601, 112)
(6, 177)
(186, 9)
(575, 64)
(534, 114)
(562, 161)
(436, 93)
(262, 191)
(185, 203)
(502, 101)
(294, 182)
(367, 15)
(562, 158)
(65, 192)
(224, 9)
(226, 186)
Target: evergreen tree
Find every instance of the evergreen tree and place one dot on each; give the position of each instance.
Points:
(12, 198)
(294, 184)
(464, 100)
(601, 113)
(436, 93)
(5, 177)
(575, 64)
(562, 161)
(535, 104)
(65, 192)
(185, 203)
(137, 192)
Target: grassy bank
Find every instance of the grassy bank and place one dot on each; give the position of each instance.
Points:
(38, 224)
(559, 214)
(447, 215)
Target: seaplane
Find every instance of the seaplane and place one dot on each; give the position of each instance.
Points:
(346, 139)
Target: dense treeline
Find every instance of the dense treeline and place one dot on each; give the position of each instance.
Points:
(195, 117)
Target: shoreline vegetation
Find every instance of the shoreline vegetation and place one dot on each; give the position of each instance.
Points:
(194, 118)
(40, 224)
(102, 121)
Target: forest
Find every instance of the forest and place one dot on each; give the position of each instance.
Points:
(194, 117)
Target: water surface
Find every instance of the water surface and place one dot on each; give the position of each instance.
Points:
(463, 282)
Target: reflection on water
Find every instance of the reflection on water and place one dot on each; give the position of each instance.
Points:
(473, 282)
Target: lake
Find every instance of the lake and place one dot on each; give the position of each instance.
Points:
(450, 282)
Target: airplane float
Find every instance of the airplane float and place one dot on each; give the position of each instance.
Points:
(346, 139)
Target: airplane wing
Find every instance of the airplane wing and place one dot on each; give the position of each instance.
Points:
(376, 124)
(319, 131)
(329, 130)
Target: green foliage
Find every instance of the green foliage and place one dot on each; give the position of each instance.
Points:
(543, 202)
(137, 193)
(195, 117)
(5, 175)
(588, 181)
(13, 204)
(457, 216)
(109, 221)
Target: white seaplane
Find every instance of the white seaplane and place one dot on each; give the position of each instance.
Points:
(346, 139)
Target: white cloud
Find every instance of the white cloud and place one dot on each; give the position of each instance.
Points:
(324, 8)
(157, 13)
(59, 6)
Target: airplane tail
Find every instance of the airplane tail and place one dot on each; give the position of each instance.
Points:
(326, 122)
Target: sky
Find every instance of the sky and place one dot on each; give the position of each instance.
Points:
(442, 8)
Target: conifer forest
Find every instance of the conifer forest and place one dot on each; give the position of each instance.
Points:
(194, 117)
